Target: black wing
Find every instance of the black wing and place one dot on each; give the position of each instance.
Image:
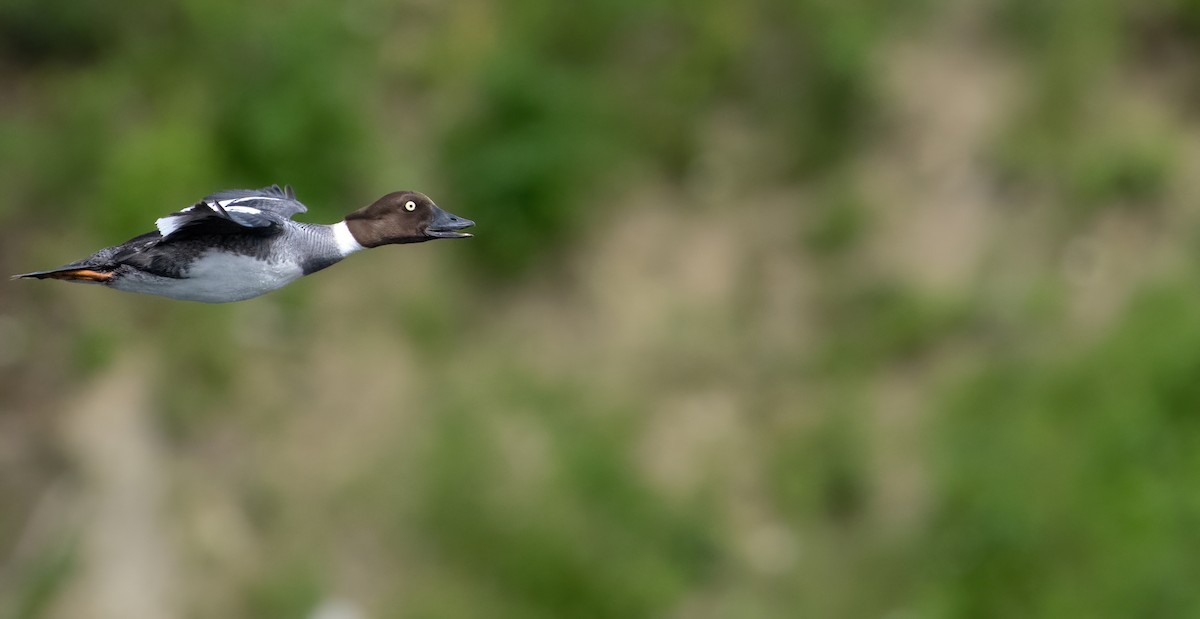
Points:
(211, 218)
(273, 199)
(236, 211)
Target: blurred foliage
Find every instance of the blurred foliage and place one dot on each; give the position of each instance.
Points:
(42, 583)
(704, 357)
(294, 590)
(602, 545)
(576, 96)
(1064, 480)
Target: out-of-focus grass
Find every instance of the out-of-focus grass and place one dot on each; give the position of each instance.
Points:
(596, 542)
(45, 579)
(1064, 481)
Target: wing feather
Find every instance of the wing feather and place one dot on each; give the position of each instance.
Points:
(234, 211)
(214, 218)
(274, 199)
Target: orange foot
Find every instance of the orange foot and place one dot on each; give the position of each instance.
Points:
(86, 275)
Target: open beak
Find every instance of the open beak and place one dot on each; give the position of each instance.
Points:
(447, 226)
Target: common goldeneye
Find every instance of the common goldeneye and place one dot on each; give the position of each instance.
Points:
(239, 244)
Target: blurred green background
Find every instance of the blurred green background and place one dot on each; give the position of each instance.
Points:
(794, 308)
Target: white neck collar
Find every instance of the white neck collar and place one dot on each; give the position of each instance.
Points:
(346, 243)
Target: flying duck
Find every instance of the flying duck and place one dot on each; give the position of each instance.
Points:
(239, 244)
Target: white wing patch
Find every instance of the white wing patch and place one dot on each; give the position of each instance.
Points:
(171, 223)
(226, 203)
(243, 209)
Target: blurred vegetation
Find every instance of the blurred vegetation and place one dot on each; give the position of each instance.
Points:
(770, 312)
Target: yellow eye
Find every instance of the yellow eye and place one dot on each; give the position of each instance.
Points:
(410, 206)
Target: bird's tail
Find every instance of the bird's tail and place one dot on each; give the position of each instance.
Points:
(79, 274)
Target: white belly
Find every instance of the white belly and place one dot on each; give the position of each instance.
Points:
(218, 278)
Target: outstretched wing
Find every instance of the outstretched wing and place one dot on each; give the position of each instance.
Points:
(210, 218)
(237, 211)
(273, 199)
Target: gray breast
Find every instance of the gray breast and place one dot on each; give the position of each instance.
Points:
(312, 246)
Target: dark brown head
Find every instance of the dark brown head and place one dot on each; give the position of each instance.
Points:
(404, 217)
